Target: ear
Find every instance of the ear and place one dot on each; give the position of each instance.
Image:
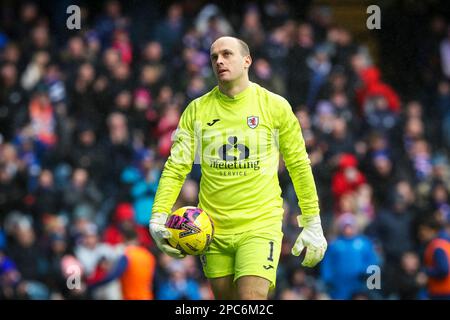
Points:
(247, 61)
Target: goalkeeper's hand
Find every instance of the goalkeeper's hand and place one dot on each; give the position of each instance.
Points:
(160, 234)
(312, 238)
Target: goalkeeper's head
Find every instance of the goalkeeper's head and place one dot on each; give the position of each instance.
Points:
(230, 59)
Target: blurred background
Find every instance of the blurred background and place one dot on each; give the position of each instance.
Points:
(86, 118)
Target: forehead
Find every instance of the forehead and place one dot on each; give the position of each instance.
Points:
(223, 44)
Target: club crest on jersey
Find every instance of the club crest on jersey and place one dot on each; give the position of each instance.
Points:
(252, 121)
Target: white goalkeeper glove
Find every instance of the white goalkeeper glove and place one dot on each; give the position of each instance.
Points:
(160, 234)
(312, 238)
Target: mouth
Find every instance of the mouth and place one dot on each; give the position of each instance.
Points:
(222, 71)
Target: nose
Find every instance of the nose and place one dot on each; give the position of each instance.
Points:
(219, 61)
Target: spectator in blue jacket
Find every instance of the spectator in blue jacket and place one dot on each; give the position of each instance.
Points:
(344, 268)
(178, 286)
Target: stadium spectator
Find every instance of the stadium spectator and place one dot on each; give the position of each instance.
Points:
(124, 218)
(348, 178)
(436, 259)
(344, 269)
(87, 117)
(135, 269)
(409, 281)
(179, 286)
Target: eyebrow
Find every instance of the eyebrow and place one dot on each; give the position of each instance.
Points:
(214, 55)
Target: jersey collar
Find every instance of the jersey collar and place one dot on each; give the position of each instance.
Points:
(241, 95)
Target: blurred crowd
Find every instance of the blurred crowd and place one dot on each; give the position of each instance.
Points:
(87, 116)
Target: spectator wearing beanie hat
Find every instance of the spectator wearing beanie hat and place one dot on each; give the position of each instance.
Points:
(346, 260)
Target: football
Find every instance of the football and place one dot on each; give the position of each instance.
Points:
(192, 230)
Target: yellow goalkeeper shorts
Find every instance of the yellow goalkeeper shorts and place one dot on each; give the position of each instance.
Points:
(252, 253)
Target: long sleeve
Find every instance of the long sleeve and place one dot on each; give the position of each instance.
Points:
(116, 273)
(441, 268)
(292, 147)
(178, 165)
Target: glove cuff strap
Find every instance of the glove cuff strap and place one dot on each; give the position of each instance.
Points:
(159, 218)
(306, 220)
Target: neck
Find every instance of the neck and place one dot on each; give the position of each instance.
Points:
(233, 88)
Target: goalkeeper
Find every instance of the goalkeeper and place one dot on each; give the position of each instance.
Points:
(237, 131)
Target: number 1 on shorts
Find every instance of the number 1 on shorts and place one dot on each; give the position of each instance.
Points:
(270, 258)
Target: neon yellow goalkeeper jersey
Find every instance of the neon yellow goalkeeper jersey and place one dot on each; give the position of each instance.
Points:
(238, 141)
